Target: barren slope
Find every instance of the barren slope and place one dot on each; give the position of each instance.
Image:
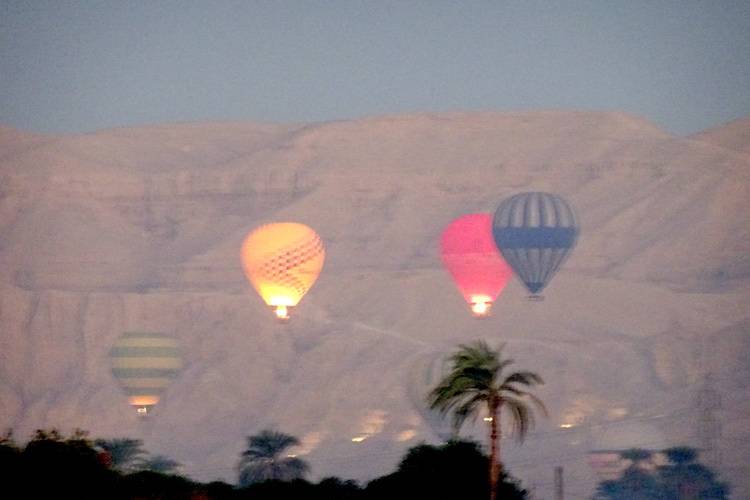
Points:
(140, 229)
(734, 135)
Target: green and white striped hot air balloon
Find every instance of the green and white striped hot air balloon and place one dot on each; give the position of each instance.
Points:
(145, 364)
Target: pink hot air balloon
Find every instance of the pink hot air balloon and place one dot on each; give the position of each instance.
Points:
(471, 257)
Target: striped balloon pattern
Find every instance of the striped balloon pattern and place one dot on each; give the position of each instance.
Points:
(145, 364)
(535, 232)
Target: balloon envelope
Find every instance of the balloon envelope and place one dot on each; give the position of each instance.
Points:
(535, 233)
(472, 259)
(282, 261)
(145, 364)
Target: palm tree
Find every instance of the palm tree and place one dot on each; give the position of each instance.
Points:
(122, 453)
(685, 477)
(639, 458)
(267, 457)
(476, 380)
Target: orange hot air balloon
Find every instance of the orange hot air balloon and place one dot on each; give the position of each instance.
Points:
(282, 261)
(471, 257)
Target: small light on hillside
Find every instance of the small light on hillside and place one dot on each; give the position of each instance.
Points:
(406, 435)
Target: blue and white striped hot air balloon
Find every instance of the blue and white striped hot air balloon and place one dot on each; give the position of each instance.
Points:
(145, 364)
(535, 233)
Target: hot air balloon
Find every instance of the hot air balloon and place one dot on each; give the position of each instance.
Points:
(424, 374)
(471, 257)
(535, 232)
(145, 364)
(282, 261)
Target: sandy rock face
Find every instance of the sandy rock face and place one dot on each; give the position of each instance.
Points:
(140, 229)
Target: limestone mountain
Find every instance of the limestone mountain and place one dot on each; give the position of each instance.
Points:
(140, 229)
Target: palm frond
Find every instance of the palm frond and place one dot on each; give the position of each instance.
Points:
(537, 402)
(263, 459)
(468, 408)
(269, 443)
(291, 468)
(476, 377)
(124, 452)
(526, 378)
(522, 417)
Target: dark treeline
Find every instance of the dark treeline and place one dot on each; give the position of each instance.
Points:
(682, 477)
(51, 465)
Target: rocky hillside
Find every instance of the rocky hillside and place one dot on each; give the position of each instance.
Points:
(140, 229)
(734, 135)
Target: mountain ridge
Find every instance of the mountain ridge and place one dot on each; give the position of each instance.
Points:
(139, 228)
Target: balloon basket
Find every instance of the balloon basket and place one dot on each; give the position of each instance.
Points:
(282, 313)
(481, 316)
(481, 310)
(536, 298)
(144, 411)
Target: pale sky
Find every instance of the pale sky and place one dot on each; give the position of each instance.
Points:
(77, 66)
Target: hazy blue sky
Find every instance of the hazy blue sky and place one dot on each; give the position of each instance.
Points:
(71, 66)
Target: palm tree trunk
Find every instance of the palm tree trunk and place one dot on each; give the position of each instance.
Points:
(494, 448)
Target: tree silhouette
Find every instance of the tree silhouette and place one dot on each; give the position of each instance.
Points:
(682, 478)
(266, 458)
(635, 484)
(452, 470)
(55, 466)
(158, 463)
(10, 462)
(477, 381)
(637, 456)
(149, 485)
